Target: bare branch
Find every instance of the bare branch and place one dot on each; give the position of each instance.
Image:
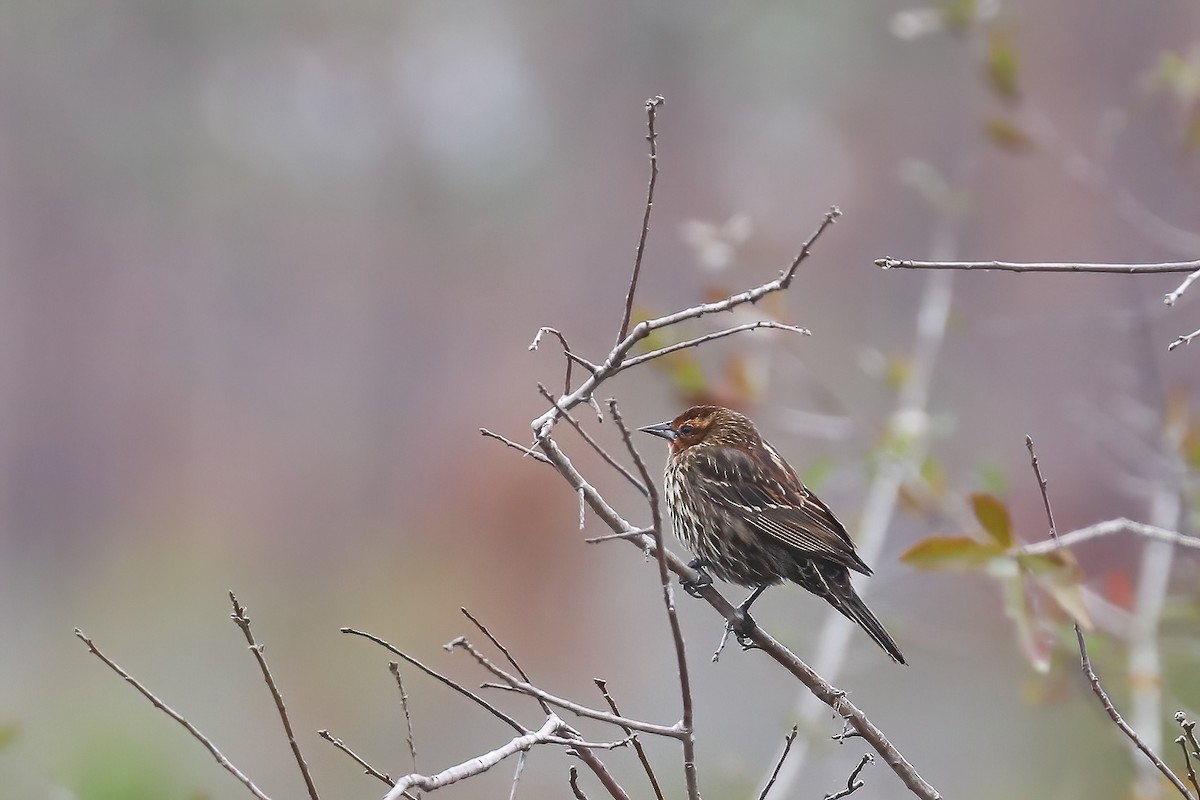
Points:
(522, 449)
(600, 451)
(566, 352)
(699, 340)
(408, 726)
(512, 794)
(1085, 663)
(637, 744)
(637, 533)
(1182, 340)
(853, 784)
(477, 765)
(367, 768)
(614, 362)
(787, 748)
(1172, 296)
(175, 715)
(524, 687)
(1106, 528)
(1010, 266)
(243, 621)
(651, 136)
(573, 779)
(507, 655)
(685, 683)
(512, 723)
(1188, 739)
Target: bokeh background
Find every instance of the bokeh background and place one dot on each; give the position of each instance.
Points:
(267, 268)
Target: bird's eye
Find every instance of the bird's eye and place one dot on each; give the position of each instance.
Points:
(686, 429)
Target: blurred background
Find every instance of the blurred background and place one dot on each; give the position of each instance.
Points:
(267, 268)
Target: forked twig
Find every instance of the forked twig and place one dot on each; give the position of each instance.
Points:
(651, 114)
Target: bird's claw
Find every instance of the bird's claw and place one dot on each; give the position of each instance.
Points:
(742, 626)
(703, 579)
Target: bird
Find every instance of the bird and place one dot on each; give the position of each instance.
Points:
(744, 513)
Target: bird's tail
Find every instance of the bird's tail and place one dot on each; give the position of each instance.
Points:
(841, 595)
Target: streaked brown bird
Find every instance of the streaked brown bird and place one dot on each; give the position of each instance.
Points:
(746, 515)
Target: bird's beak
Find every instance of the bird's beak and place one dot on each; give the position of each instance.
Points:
(662, 429)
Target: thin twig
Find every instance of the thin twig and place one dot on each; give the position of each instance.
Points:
(522, 449)
(367, 768)
(408, 726)
(1188, 738)
(512, 723)
(652, 137)
(699, 340)
(524, 687)
(787, 748)
(175, 715)
(512, 794)
(243, 621)
(1085, 663)
(507, 655)
(1105, 528)
(613, 363)
(637, 744)
(636, 533)
(685, 682)
(573, 780)
(1182, 340)
(566, 352)
(1010, 266)
(1173, 296)
(600, 451)
(853, 784)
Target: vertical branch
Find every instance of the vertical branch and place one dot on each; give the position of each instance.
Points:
(1085, 662)
(239, 617)
(394, 667)
(651, 136)
(685, 684)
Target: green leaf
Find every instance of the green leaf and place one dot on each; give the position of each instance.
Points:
(1002, 65)
(993, 516)
(950, 552)
(1005, 134)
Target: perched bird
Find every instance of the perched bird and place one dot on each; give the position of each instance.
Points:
(746, 515)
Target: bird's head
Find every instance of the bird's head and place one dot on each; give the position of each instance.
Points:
(705, 425)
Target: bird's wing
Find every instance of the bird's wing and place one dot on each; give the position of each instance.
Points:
(773, 500)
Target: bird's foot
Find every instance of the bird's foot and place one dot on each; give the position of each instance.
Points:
(703, 579)
(742, 626)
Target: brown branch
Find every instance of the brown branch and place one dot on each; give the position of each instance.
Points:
(1085, 663)
(512, 723)
(573, 780)
(243, 621)
(787, 748)
(853, 784)
(652, 137)
(637, 744)
(225, 763)
(1010, 266)
(1188, 738)
(685, 682)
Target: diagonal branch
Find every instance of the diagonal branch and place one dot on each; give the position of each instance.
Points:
(699, 340)
(175, 715)
(241, 619)
(1085, 663)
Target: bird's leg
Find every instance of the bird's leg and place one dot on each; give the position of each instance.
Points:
(703, 579)
(743, 623)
